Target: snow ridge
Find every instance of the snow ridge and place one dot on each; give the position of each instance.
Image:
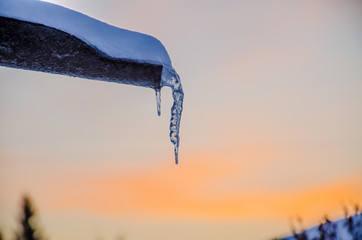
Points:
(349, 228)
(112, 41)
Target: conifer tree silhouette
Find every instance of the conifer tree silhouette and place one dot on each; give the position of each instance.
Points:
(27, 230)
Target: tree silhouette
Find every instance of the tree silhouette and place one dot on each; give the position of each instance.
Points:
(27, 231)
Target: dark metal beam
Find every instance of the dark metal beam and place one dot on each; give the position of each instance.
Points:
(37, 47)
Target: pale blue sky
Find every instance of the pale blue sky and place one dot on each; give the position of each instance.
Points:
(273, 93)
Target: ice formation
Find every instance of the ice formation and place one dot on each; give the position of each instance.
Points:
(158, 101)
(143, 56)
(171, 78)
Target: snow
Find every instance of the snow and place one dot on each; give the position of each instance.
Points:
(112, 41)
(338, 230)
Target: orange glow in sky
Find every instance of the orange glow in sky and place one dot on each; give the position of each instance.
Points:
(271, 127)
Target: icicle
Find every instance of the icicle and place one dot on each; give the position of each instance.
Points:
(171, 78)
(158, 101)
(176, 111)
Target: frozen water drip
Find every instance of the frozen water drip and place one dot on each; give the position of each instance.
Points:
(171, 78)
(158, 101)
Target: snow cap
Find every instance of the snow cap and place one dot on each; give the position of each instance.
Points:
(111, 41)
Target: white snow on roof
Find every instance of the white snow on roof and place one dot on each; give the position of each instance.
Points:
(114, 42)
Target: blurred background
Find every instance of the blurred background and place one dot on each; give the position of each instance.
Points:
(271, 127)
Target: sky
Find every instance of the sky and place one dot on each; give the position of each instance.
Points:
(271, 127)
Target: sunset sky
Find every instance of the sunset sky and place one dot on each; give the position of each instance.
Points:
(271, 127)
